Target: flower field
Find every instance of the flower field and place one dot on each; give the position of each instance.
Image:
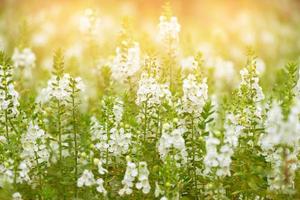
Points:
(137, 99)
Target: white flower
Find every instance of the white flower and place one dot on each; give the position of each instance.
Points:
(99, 135)
(152, 93)
(34, 150)
(3, 139)
(118, 110)
(252, 83)
(101, 170)
(261, 66)
(232, 130)
(86, 179)
(211, 157)
(59, 89)
(172, 139)
(126, 64)
(219, 157)
(195, 95)
(7, 172)
(129, 177)
(284, 164)
(280, 131)
(143, 182)
(34, 144)
(100, 188)
(79, 84)
(17, 196)
(9, 97)
(23, 172)
(280, 147)
(119, 139)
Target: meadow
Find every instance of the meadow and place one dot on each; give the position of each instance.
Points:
(157, 99)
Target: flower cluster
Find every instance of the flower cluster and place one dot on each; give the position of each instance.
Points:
(195, 95)
(172, 140)
(127, 65)
(87, 179)
(59, 89)
(34, 149)
(143, 178)
(116, 139)
(280, 147)
(17, 196)
(252, 82)
(218, 155)
(119, 141)
(6, 172)
(211, 157)
(9, 97)
(132, 172)
(249, 109)
(151, 92)
(129, 177)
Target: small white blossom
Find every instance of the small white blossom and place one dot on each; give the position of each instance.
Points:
(280, 147)
(101, 170)
(143, 181)
(280, 131)
(219, 157)
(17, 196)
(86, 179)
(129, 177)
(119, 141)
(100, 188)
(7, 172)
(172, 139)
(118, 110)
(195, 96)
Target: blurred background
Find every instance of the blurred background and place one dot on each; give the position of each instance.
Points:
(88, 30)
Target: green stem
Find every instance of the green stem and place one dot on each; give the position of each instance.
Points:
(39, 175)
(107, 152)
(75, 142)
(6, 127)
(59, 129)
(145, 121)
(193, 155)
